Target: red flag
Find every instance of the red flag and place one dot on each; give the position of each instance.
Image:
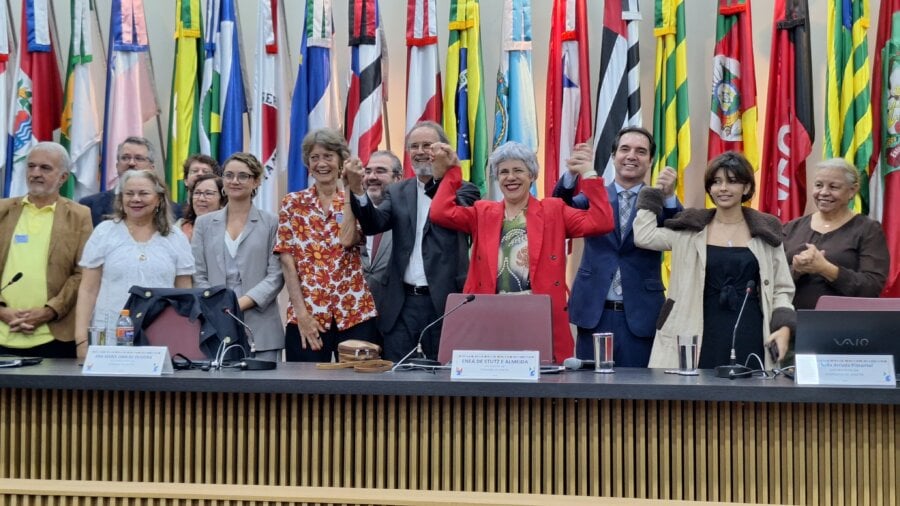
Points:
(423, 69)
(568, 87)
(886, 138)
(36, 107)
(363, 120)
(789, 131)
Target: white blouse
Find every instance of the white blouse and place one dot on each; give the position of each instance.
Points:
(126, 263)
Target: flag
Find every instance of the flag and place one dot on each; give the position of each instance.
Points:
(848, 111)
(423, 72)
(515, 118)
(36, 105)
(222, 100)
(619, 92)
(733, 115)
(789, 129)
(568, 87)
(80, 123)
(4, 90)
(671, 120)
(130, 96)
(316, 102)
(184, 104)
(365, 95)
(268, 124)
(465, 118)
(886, 135)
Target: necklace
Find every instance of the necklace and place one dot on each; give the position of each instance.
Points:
(734, 230)
(513, 217)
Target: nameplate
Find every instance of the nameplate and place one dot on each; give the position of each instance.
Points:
(495, 365)
(127, 360)
(849, 370)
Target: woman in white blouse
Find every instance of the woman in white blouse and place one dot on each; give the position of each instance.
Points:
(233, 247)
(139, 246)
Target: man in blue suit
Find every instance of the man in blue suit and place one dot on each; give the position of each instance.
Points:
(618, 287)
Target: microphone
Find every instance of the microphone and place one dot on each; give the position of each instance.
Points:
(251, 341)
(575, 364)
(17, 276)
(252, 364)
(220, 353)
(418, 349)
(733, 370)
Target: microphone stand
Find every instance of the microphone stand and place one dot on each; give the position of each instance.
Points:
(733, 370)
(418, 348)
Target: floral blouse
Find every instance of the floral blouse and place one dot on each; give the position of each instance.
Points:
(331, 276)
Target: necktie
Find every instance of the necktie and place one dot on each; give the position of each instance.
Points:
(626, 199)
(376, 241)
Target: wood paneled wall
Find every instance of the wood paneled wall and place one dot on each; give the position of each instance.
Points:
(706, 451)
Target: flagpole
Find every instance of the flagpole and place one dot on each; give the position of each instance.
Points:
(54, 34)
(237, 19)
(13, 42)
(159, 125)
(99, 30)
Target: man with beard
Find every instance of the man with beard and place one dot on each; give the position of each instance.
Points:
(41, 235)
(428, 262)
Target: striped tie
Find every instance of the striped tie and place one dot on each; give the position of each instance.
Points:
(626, 198)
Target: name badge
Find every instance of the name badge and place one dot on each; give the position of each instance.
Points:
(21, 238)
(128, 360)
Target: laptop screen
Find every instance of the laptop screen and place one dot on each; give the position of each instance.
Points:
(849, 333)
(498, 322)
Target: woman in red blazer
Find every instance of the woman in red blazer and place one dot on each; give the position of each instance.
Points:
(519, 243)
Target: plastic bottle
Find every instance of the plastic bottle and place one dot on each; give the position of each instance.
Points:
(124, 329)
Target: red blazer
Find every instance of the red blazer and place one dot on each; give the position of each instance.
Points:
(548, 223)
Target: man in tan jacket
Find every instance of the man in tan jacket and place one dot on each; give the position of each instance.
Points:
(41, 238)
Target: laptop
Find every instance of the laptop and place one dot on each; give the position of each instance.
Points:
(498, 322)
(848, 333)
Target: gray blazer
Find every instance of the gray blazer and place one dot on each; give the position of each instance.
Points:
(261, 277)
(375, 270)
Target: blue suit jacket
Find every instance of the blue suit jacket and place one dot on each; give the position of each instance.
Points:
(642, 286)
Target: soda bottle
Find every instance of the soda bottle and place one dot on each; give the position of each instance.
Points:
(124, 329)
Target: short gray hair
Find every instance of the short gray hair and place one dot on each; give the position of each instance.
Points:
(141, 141)
(431, 125)
(513, 150)
(56, 148)
(851, 175)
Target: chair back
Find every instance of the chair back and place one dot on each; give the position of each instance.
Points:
(839, 303)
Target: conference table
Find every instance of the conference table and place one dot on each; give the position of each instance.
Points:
(638, 433)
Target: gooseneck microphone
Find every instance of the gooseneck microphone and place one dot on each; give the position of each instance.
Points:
(16, 277)
(250, 340)
(733, 370)
(252, 364)
(418, 349)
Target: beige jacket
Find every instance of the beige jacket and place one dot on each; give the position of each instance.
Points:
(71, 229)
(685, 236)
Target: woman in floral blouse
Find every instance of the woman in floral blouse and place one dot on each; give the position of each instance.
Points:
(330, 301)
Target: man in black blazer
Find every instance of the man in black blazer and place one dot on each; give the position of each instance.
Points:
(427, 262)
(618, 287)
(132, 154)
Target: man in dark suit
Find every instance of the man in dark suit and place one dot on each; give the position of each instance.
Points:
(427, 262)
(134, 153)
(618, 287)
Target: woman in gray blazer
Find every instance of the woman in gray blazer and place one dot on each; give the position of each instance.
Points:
(233, 247)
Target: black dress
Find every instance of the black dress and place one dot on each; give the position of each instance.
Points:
(727, 272)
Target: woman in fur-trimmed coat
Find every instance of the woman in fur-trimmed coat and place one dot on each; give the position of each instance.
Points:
(718, 256)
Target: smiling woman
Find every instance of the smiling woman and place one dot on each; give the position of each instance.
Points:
(519, 242)
(139, 246)
(835, 251)
(720, 258)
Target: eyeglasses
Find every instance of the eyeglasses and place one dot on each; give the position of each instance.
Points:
(243, 177)
(133, 158)
(207, 194)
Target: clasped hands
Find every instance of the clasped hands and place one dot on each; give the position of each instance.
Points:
(25, 321)
(809, 261)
